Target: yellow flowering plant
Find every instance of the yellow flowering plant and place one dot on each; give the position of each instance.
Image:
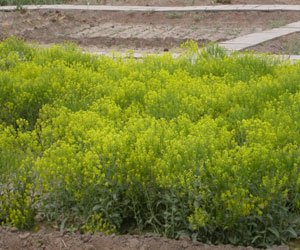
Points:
(205, 144)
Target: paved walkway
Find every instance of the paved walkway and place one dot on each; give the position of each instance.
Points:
(159, 9)
(244, 42)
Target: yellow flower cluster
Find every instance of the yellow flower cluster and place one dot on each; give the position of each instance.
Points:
(201, 143)
(96, 224)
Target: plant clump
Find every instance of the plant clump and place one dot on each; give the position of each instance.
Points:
(204, 145)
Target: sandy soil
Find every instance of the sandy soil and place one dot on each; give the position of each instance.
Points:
(139, 31)
(289, 45)
(12, 239)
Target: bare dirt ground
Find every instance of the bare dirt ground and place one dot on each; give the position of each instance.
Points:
(289, 44)
(179, 3)
(138, 31)
(12, 239)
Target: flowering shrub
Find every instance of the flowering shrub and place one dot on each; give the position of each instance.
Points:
(205, 145)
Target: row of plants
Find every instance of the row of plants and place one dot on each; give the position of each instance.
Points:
(204, 145)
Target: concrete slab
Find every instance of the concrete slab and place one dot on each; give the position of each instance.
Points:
(293, 25)
(291, 58)
(247, 7)
(235, 46)
(294, 58)
(253, 39)
(150, 8)
(277, 7)
(250, 39)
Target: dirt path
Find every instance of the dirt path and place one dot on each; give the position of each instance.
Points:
(12, 239)
(178, 3)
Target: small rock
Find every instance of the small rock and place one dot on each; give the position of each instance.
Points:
(99, 234)
(184, 237)
(14, 229)
(85, 238)
(185, 244)
(282, 248)
(39, 218)
(62, 233)
(151, 235)
(133, 243)
(24, 236)
(90, 247)
(197, 243)
(39, 244)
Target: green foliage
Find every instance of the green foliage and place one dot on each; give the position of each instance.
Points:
(205, 145)
(291, 47)
(277, 23)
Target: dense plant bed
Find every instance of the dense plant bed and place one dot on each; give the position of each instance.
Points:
(205, 144)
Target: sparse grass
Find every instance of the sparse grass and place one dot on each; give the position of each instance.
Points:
(130, 12)
(174, 15)
(277, 23)
(196, 17)
(292, 47)
(151, 11)
(195, 28)
(216, 31)
(233, 32)
(223, 1)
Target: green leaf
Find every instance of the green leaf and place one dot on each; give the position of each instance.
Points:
(96, 207)
(62, 225)
(292, 232)
(274, 231)
(270, 217)
(256, 238)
